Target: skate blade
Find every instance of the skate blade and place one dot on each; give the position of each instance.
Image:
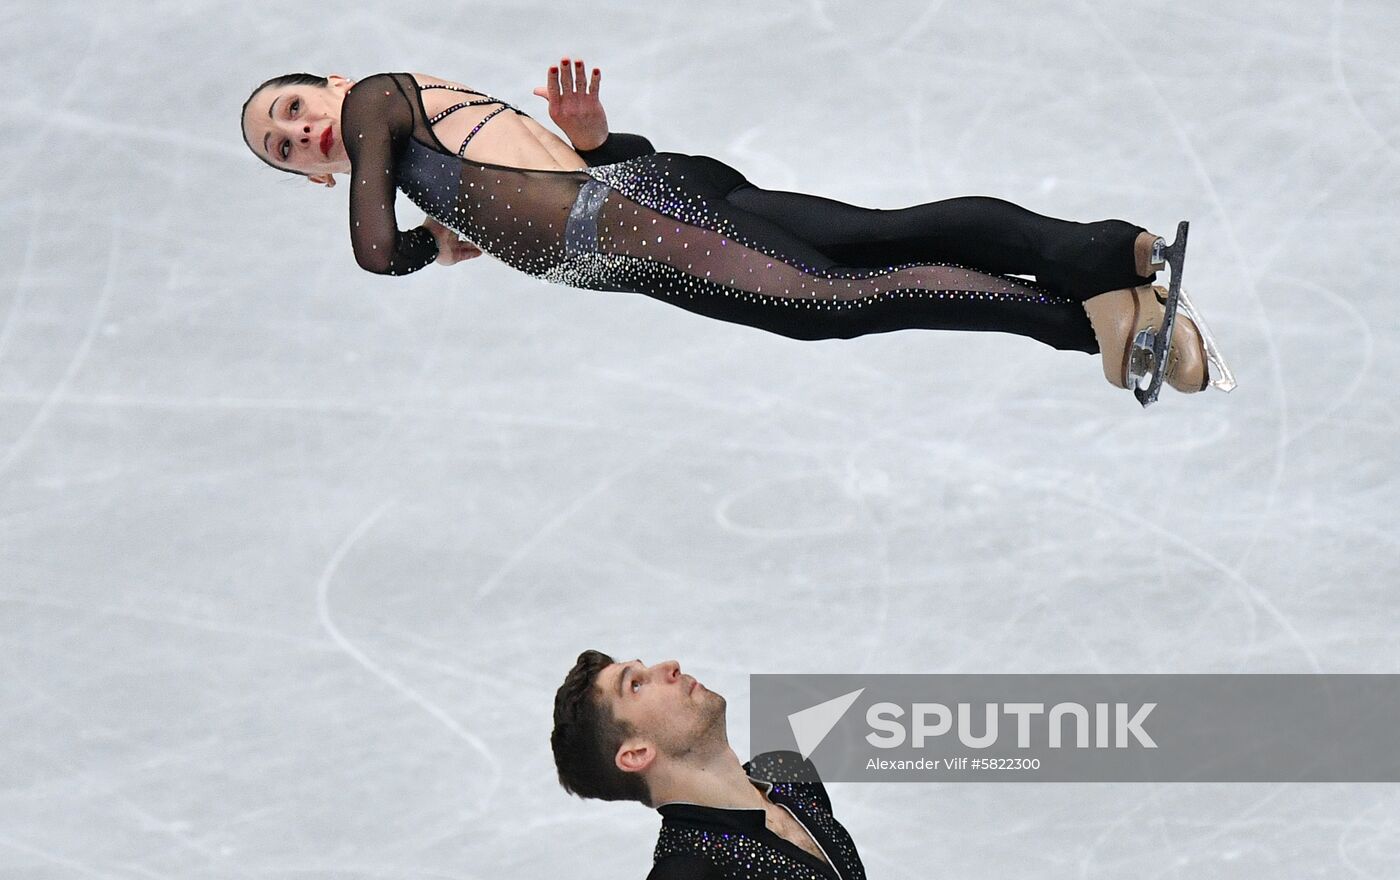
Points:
(1142, 362)
(1175, 255)
(1220, 376)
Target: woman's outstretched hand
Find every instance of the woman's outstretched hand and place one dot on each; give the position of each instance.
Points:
(574, 104)
(451, 249)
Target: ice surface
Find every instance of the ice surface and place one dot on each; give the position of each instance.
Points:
(292, 557)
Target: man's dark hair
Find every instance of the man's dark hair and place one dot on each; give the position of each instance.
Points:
(586, 737)
(286, 79)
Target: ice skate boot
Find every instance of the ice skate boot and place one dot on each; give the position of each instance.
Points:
(1150, 254)
(1218, 372)
(1126, 324)
(1135, 329)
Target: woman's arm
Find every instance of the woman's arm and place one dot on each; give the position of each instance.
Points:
(451, 248)
(374, 114)
(575, 107)
(574, 104)
(618, 147)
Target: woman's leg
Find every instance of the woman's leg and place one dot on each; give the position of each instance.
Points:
(1075, 260)
(743, 268)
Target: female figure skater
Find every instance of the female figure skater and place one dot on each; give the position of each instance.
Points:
(610, 213)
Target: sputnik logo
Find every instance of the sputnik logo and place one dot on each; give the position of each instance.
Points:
(811, 725)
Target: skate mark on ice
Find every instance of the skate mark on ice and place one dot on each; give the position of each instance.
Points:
(915, 29)
(1132, 516)
(55, 397)
(724, 515)
(313, 405)
(1353, 387)
(105, 130)
(242, 632)
(458, 665)
(1250, 591)
(1284, 234)
(523, 549)
(34, 152)
(884, 584)
(1387, 823)
(93, 787)
(1128, 819)
(1339, 76)
(21, 284)
(820, 18)
(323, 612)
(53, 858)
(360, 870)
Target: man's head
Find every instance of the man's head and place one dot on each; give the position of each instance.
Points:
(618, 724)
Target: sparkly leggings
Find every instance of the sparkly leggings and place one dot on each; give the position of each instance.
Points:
(692, 231)
(1071, 260)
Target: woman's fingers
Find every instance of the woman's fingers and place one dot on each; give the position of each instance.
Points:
(465, 250)
(550, 92)
(451, 249)
(573, 77)
(566, 77)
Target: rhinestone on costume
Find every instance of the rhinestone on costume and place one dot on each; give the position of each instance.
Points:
(586, 228)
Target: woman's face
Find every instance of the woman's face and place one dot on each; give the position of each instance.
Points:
(298, 128)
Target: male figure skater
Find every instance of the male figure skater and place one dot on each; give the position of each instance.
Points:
(628, 731)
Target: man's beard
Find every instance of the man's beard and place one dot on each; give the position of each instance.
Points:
(714, 713)
(708, 733)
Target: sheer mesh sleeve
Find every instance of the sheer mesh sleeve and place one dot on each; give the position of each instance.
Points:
(374, 117)
(618, 147)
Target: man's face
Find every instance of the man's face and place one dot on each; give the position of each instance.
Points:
(665, 708)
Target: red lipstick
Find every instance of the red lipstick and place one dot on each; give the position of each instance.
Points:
(327, 138)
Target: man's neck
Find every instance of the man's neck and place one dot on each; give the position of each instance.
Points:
(712, 780)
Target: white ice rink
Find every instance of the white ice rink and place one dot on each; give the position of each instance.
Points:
(292, 556)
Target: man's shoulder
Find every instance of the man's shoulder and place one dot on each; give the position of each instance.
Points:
(782, 766)
(685, 867)
(792, 776)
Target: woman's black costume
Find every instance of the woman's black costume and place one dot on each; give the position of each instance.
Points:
(693, 232)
